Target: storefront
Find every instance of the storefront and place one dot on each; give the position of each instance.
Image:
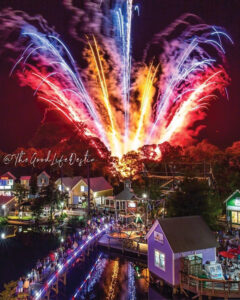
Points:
(233, 208)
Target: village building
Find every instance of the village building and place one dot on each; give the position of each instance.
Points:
(25, 181)
(77, 187)
(43, 179)
(7, 181)
(126, 201)
(171, 239)
(233, 209)
(7, 203)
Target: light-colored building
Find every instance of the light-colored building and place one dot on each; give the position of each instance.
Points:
(25, 180)
(43, 179)
(126, 201)
(77, 187)
(7, 181)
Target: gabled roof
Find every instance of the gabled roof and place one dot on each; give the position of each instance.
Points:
(70, 182)
(98, 184)
(25, 177)
(233, 195)
(9, 174)
(187, 233)
(45, 173)
(4, 200)
(126, 194)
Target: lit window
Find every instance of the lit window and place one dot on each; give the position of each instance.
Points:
(234, 217)
(82, 188)
(159, 260)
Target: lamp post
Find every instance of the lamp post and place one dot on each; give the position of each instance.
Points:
(4, 209)
(144, 195)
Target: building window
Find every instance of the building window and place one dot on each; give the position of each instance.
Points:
(236, 217)
(159, 259)
(82, 188)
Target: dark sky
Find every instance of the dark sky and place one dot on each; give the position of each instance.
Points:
(20, 113)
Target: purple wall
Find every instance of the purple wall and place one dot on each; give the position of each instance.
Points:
(172, 261)
(207, 254)
(164, 247)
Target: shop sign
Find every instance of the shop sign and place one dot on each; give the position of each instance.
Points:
(158, 237)
(237, 202)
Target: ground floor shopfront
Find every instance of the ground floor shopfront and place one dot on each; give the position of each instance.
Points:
(233, 208)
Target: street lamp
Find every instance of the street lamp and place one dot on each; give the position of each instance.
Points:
(3, 236)
(145, 197)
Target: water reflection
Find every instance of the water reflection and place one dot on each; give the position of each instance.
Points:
(116, 278)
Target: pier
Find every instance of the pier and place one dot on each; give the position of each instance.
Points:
(51, 283)
(124, 245)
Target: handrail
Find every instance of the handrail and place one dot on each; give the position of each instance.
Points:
(212, 280)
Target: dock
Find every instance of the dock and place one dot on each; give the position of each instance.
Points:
(123, 245)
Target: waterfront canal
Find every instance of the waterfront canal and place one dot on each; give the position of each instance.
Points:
(113, 277)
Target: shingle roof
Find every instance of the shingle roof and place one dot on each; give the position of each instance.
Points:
(188, 233)
(6, 199)
(70, 182)
(98, 184)
(8, 174)
(126, 194)
(25, 177)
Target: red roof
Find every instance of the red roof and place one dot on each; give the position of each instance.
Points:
(70, 182)
(25, 177)
(9, 175)
(98, 184)
(5, 199)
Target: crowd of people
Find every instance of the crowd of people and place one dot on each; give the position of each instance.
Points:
(46, 266)
(229, 254)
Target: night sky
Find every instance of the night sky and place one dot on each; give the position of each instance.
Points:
(21, 113)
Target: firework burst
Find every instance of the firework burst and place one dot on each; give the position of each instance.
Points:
(129, 104)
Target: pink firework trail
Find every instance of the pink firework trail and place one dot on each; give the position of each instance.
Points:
(166, 97)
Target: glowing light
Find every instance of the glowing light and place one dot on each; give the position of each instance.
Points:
(139, 105)
(94, 274)
(69, 260)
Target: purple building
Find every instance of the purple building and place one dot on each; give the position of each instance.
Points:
(172, 238)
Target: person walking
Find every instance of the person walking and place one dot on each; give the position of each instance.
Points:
(20, 285)
(26, 285)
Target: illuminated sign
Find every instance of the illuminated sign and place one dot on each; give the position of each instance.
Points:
(131, 204)
(158, 237)
(237, 202)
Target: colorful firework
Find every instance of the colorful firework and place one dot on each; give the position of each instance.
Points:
(129, 104)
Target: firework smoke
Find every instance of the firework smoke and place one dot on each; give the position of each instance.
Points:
(126, 104)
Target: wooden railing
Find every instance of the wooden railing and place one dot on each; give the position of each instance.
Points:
(209, 287)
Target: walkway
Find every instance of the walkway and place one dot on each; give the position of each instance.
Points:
(51, 280)
(123, 244)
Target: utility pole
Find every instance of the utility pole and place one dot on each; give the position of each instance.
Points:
(88, 161)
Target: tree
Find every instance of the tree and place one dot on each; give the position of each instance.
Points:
(50, 195)
(193, 197)
(20, 192)
(33, 185)
(64, 198)
(37, 208)
(9, 291)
